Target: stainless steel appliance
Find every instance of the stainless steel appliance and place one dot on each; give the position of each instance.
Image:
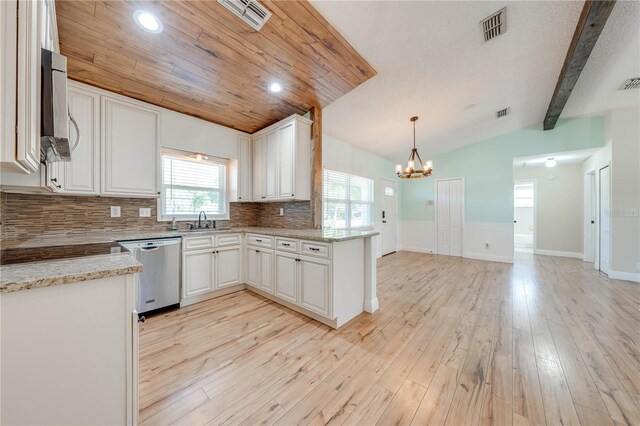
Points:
(54, 116)
(159, 282)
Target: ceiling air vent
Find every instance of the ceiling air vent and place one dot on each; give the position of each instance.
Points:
(494, 25)
(503, 112)
(250, 11)
(632, 83)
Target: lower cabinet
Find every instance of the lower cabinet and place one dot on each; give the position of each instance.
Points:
(287, 276)
(212, 266)
(259, 268)
(198, 272)
(304, 281)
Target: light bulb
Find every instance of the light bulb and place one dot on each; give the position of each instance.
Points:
(411, 165)
(551, 162)
(398, 168)
(275, 87)
(428, 165)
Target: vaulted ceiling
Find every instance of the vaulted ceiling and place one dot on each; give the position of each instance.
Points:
(207, 62)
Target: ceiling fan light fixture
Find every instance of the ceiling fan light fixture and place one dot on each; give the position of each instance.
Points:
(415, 167)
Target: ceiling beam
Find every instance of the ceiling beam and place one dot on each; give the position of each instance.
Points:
(592, 20)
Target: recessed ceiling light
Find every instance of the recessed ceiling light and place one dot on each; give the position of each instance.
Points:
(551, 162)
(275, 87)
(147, 21)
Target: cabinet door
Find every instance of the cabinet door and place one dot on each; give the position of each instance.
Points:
(244, 168)
(253, 267)
(228, 266)
(8, 84)
(199, 272)
(129, 149)
(28, 101)
(315, 286)
(271, 177)
(82, 174)
(286, 277)
(266, 271)
(287, 161)
(259, 169)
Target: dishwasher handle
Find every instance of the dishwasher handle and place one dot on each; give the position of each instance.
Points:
(151, 248)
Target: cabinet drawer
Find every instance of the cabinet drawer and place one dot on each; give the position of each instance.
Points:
(194, 243)
(259, 241)
(228, 240)
(285, 244)
(315, 249)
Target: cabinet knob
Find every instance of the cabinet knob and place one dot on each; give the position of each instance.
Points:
(141, 318)
(257, 251)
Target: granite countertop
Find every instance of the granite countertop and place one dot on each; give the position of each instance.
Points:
(326, 235)
(24, 276)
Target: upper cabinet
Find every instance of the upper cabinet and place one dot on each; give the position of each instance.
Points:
(282, 161)
(82, 174)
(245, 183)
(130, 151)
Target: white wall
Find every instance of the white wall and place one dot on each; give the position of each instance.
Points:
(342, 157)
(559, 208)
(625, 193)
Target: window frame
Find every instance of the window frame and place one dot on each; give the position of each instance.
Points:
(185, 155)
(348, 202)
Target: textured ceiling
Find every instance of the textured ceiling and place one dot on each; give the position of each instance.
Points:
(432, 62)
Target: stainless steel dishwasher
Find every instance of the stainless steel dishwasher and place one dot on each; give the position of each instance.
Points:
(159, 282)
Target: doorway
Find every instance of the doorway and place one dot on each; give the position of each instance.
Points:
(389, 216)
(449, 216)
(604, 214)
(524, 216)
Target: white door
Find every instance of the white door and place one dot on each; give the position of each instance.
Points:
(389, 216)
(271, 178)
(82, 174)
(130, 152)
(259, 159)
(266, 271)
(287, 159)
(605, 220)
(228, 266)
(314, 285)
(199, 273)
(286, 277)
(449, 210)
(253, 267)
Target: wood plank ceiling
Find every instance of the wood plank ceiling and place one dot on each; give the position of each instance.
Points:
(207, 62)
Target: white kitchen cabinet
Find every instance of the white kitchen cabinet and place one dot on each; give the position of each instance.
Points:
(130, 152)
(286, 282)
(244, 168)
(259, 271)
(259, 167)
(8, 82)
(82, 174)
(282, 161)
(199, 272)
(228, 266)
(315, 288)
(69, 353)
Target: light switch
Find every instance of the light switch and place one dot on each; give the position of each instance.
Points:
(145, 212)
(115, 211)
(281, 211)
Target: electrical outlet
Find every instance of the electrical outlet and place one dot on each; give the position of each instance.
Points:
(281, 211)
(144, 212)
(115, 211)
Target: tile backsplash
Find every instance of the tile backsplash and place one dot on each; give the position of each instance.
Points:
(26, 216)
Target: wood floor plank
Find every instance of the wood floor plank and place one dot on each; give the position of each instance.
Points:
(546, 340)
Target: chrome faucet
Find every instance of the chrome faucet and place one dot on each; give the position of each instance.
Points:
(200, 219)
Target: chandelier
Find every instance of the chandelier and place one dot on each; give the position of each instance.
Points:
(414, 169)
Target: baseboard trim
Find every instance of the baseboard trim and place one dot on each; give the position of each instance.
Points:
(417, 249)
(625, 276)
(488, 257)
(558, 253)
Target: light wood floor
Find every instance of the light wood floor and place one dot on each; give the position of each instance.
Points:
(456, 341)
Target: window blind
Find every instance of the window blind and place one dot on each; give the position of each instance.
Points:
(348, 201)
(190, 186)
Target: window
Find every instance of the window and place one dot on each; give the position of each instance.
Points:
(348, 201)
(190, 186)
